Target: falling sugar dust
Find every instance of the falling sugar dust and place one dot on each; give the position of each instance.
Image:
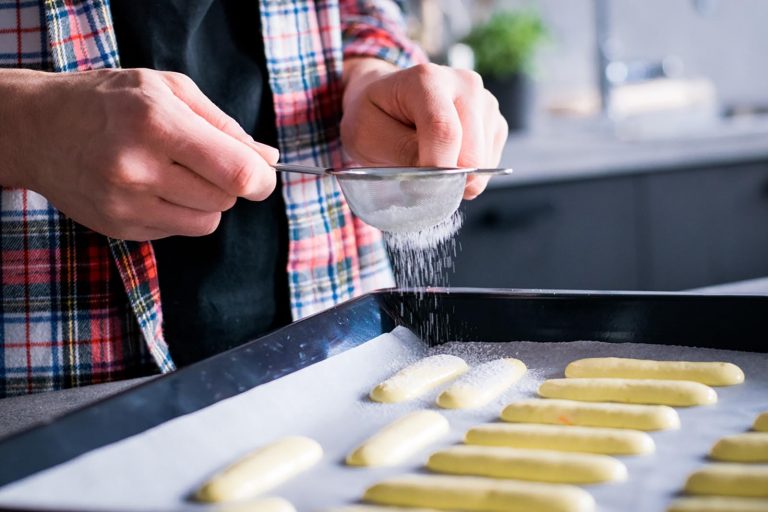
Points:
(421, 259)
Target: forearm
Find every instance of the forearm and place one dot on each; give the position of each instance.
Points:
(21, 91)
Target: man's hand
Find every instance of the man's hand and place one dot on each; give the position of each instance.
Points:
(426, 115)
(132, 154)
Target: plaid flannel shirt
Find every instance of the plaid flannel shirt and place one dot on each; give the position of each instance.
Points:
(79, 308)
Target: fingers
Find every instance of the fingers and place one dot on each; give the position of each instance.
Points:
(483, 129)
(180, 220)
(426, 115)
(187, 91)
(219, 158)
(473, 152)
(439, 133)
(140, 234)
(496, 136)
(474, 145)
(455, 119)
(182, 187)
(424, 98)
(470, 100)
(476, 184)
(384, 141)
(137, 215)
(499, 140)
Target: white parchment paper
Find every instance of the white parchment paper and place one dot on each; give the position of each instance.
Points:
(158, 469)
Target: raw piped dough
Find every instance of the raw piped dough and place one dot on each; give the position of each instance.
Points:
(761, 423)
(418, 378)
(259, 505)
(482, 384)
(718, 504)
(746, 447)
(645, 391)
(261, 470)
(713, 374)
(479, 494)
(400, 439)
(724, 479)
(571, 412)
(610, 441)
(526, 464)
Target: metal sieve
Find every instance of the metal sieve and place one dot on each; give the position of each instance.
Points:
(398, 199)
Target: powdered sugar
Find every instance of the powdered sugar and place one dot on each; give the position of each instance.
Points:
(482, 383)
(404, 219)
(436, 362)
(424, 259)
(424, 239)
(406, 205)
(492, 374)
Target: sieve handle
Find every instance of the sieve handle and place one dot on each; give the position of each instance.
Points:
(303, 169)
(493, 171)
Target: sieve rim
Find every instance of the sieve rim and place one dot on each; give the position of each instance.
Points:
(404, 173)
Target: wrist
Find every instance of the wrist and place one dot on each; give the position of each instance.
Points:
(20, 122)
(361, 71)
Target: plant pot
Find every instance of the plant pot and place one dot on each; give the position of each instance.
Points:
(514, 93)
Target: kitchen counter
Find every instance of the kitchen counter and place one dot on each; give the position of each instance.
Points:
(21, 412)
(748, 287)
(572, 150)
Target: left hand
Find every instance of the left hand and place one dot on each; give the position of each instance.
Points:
(427, 115)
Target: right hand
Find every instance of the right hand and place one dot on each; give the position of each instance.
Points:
(138, 154)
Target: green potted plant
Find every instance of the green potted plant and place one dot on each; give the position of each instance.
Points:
(504, 48)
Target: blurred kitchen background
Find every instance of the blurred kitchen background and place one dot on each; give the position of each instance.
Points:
(641, 161)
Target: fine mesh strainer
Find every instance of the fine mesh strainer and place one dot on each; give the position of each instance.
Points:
(398, 199)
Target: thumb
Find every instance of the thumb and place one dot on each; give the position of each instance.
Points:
(187, 91)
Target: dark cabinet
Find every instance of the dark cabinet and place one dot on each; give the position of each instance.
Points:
(705, 226)
(568, 235)
(664, 230)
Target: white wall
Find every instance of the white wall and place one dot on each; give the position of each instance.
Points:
(729, 45)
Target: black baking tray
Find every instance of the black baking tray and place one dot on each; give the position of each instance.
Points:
(715, 321)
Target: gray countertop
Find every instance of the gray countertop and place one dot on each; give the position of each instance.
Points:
(19, 413)
(579, 150)
(748, 287)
